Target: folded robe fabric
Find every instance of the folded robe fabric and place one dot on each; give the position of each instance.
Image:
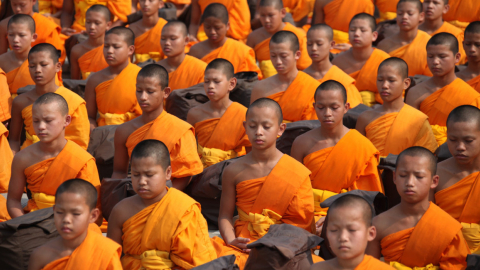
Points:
(436, 240)
(461, 201)
(238, 54)
(298, 8)
(178, 136)
(116, 99)
(258, 209)
(92, 61)
(48, 32)
(4, 216)
(462, 13)
(147, 45)
(79, 129)
(43, 178)
(297, 101)
(370, 262)
(336, 74)
(415, 55)
(171, 232)
(190, 72)
(222, 138)
(458, 33)
(5, 98)
(119, 9)
(394, 132)
(5, 160)
(19, 78)
(475, 83)
(387, 9)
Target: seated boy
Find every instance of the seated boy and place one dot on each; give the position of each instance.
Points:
(322, 150)
(319, 43)
(416, 232)
(291, 88)
(80, 244)
(440, 94)
(43, 166)
(471, 74)
(183, 70)
(395, 126)
(361, 61)
(250, 182)
(44, 66)
(87, 56)
(272, 13)
(155, 123)
(219, 122)
(160, 227)
(458, 190)
(349, 230)
(216, 24)
(111, 91)
(409, 44)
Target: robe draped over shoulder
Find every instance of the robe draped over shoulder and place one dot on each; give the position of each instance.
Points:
(119, 9)
(462, 13)
(336, 74)
(49, 32)
(475, 83)
(5, 160)
(19, 78)
(92, 61)
(415, 54)
(370, 262)
(147, 45)
(190, 72)
(5, 98)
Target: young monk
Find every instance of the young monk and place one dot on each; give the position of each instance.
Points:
(250, 182)
(219, 122)
(110, 91)
(291, 88)
(416, 232)
(156, 123)
(216, 24)
(439, 95)
(349, 230)
(80, 245)
(272, 13)
(471, 74)
(43, 65)
(159, 226)
(322, 150)
(319, 43)
(395, 126)
(361, 61)
(43, 166)
(183, 70)
(87, 56)
(409, 43)
(458, 192)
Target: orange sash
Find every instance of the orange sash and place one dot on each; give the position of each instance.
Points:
(475, 83)
(6, 161)
(147, 45)
(119, 9)
(92, 61)
(190, 72)
(336, 74)
(5, 98)
(415, 55)
(19, 78)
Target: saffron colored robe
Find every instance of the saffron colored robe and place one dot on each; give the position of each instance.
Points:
(336, 74)
(350, 164)
(4, 216)
(6, 157)
(297, 101)
(475, 83)
(370, 262)
(178, 136)
(119, 10)
(462, 13)
(147, 45)
(394, 132)
(461, 201)
(43, 178)
(171, 232)
(190, 72)
(222, 138)
(258, 209)
(5, 98)
(19, 78)
(298, 8)
(387, 9)
(48, 32)
(436, 240)
(49, 6)
(79, 129)
(458, 33)
(415, 54)
(92, 61)
(116, 99)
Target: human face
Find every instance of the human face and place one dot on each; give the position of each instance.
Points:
(434, 9)
(22, 6)
(116, 50)
(150, 95)
(471, 44)
(172, 41)
(360, 34)
(262, 127)
(283, 58)
(150, 7)
(96, 24)
(318, 45)
(20, 37)
(48, 122)
(441, 60)
(42, 68)
(463, 140)
(413, 179)
(408, 16)
(149, 178)
(271, 18)
(216, 84)
(215, 29)
(330, 108)
(390, 83)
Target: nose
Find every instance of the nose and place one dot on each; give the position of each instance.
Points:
(410, 180)
(461, 147)
(328, 112)
(143, 95)
(384, 84)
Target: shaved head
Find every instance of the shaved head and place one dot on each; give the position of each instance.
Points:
(464, 113)
(154, 149)
(399, 64)
(267, 103)
(81, 187)
(102, 10)
(217, 11)
(46, 47)
(446, 39)
(23, 19)
(155, 71)
(355, 201)
(277, 4)
(50, 98)
(286, 37)
(182, 27)
(332, 85)
(417, 151)
(416, 2)
(126, 33)
(367, 17)
(223, 65)
(473, 28)
(323, 27)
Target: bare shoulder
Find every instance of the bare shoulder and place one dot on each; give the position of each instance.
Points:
(256, 36)
(6, 61)
(97, 78)
(136, 28)
(197, 114)
(23, 159)
(79, 49)
(383, 221)
(446, 172)
(387, 44)
(417, 94)
(45, 254)
(22, 101)
(4, 23)
(126, 209)
(369, 115)
(127, 128)
(235, 169)
(198, 50)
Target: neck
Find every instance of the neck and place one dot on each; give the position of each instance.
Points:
(322, 66)
(288, 77)
(408, 36)
(23, 56)
(432, 25)
(350, 264)
(394, 105)
(54, 147)
(150, 20)
(96, 42)
(415, 209)
(265, 155)
(220, 105)
(279, 28)
(148, 117)
(75, 243)
(50, 87)
(119, 68)
(362, 54)
(473, 67)
(334, 133)
(176, 61)
(444, 80)
(217, 44)
(472, 167)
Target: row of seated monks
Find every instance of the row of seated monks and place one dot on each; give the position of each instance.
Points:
(420, 85)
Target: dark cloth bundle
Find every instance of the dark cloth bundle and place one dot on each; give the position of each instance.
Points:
(293, 130)
(350, 118)
(102, 148)
(443, 153)
(387, 164)
(473, 262)
(222, 263)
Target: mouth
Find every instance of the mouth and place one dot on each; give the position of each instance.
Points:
(314, 55)
(409, 192)
(328, 121)
(41, 134)
(461, 156)
(110, 58)
(259, 141)
(15, 47)
(356, 40)
(143, 105)
(384, 93)
(167, 49)
(143, 191)
(343, 248)
(210, 93)
(66, 230)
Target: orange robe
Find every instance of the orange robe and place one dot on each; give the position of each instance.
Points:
(79, 129)
(370, 262)
(394, 132)
(297, 101)
(4, 216)
(92, 61)
(48, 32)
(116, 99)
(147, 45)
(438, 105)
(5, 98)
(366, 78)
(461, 201)
(240, 55)
(43, 178)
(19, 78)
(336, 74)
(436, 240)
(49, 6)
(387, 9)
(298, 8)
(222, 138)
(284, 196)
(458, 33)
(171, 232)
(329, 176)
(462, 13)
(96, 252)
(415, 54)
(262, 52)
(190, 72)
(475, 83)
(6, 157)
(119, 9)
(178, 136)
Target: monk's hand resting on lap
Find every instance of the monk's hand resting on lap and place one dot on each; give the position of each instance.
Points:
(319, 226)
(240, 243)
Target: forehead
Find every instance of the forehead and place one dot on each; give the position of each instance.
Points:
(268, 9)
(115, 38)
(417, 163)
(360, 23)
(145, 163)
(95, 15)
(46, 108)
(213, 72)
(463, 127)
(441, 48)
(392, 69)
(40, 55)
(152, 80)
(172, 30)
(407, 6)
(213, 20)
(21, 1)
(329, 96)
(346, 214)
(262, 114)
(19, 27)
(285, 46)
(472, 36)
(71, 200)
(317, 33)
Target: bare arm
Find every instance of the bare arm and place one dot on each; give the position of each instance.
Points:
(195, 20)
(16, 126)
(297, 151)
(361, 124)
(91, 100)
(191, 119)
(67, 17)
(120, 159)
(256, 92)
(37, 259)
(16, 187)
(75, 72)
(181, 183)
(318, 14)
(115, 224)
(3, 38)
(374, 248)
(412, 98)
